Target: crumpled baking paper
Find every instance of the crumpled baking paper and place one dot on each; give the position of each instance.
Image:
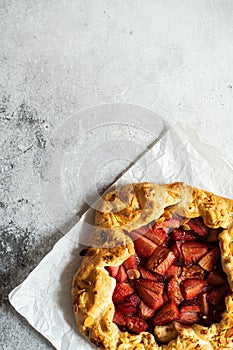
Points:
(44, 298)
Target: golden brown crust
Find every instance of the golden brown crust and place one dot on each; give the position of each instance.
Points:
(130, 207)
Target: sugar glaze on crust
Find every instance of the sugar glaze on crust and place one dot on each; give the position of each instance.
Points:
(128, 208)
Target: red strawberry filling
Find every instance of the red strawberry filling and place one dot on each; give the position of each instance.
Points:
(174, 275)
(121, 275)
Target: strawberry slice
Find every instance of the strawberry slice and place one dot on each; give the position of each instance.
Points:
(193, 251)
(202, 299)
(143, 246)
(173, 271)
(121, 291)
(217, 294)
(156, 287)
(146, 274)
(176, 248)
(190, 306)
(129, 306)
(121, 275)
(113, 270)
(151, 293)
(151, 299)
(192, 271)
(188, 318)
(157, 235)
(168, 313)
(198, 226)
(215, 278)
(165, 297)
(119, 318)
(132, 262)
(145, 311)
(173, 291)
(136, 324)
(208, 261)
(160, 260)
(191, 287)
(182, 235)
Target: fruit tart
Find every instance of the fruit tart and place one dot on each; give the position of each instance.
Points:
(158, 270)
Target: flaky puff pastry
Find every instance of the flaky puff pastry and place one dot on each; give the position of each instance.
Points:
(128, 208)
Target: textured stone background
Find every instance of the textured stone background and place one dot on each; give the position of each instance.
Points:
(60, 57)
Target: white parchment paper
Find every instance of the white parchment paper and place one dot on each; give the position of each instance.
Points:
(44, 298)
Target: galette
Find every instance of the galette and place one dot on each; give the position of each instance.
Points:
(157, 273)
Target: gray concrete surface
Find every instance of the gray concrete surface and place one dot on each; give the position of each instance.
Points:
(60, 57)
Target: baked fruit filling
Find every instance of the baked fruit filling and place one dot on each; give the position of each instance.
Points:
(174, 278)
